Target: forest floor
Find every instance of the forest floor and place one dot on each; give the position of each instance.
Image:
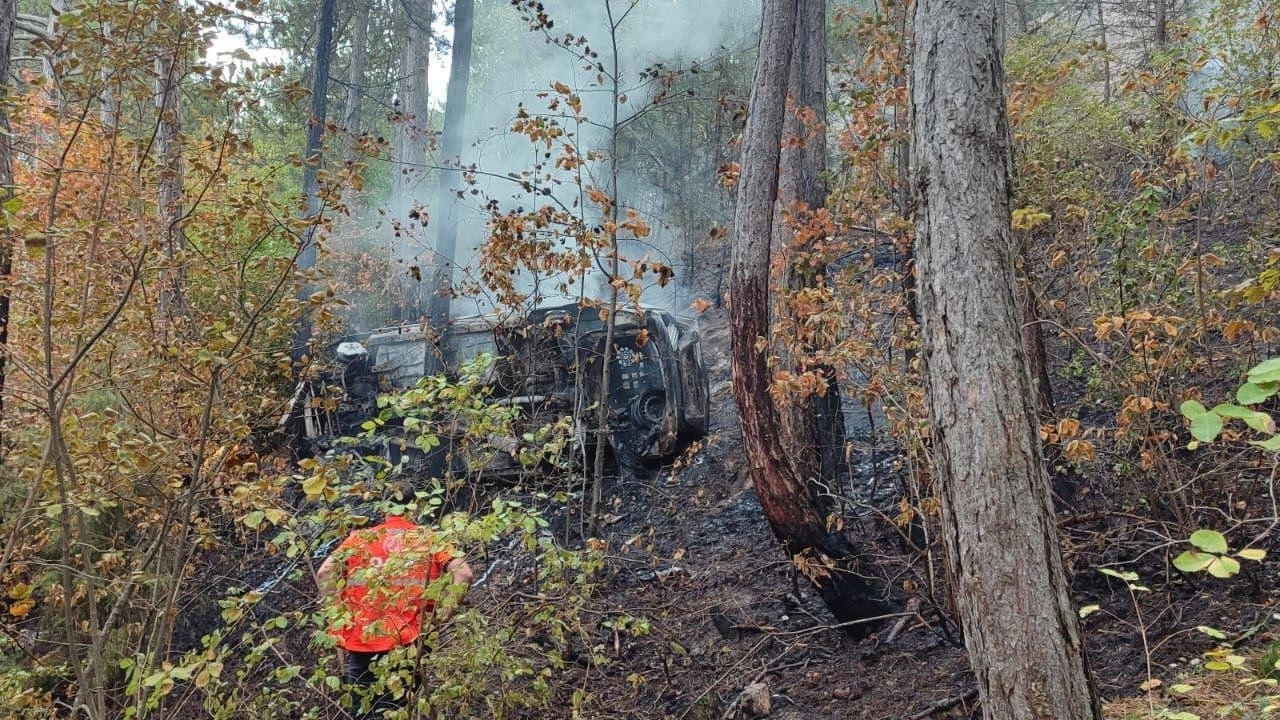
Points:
(689, 551)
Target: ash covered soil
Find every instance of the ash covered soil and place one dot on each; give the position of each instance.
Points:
(690, 550)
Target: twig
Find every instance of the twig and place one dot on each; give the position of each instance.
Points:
(946, 704)
(913, 606)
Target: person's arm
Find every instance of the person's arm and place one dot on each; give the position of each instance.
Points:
(460, 578)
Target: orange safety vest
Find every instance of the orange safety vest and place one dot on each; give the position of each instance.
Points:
(387, 568)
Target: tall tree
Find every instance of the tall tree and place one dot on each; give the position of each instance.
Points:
(1002, 548)
(8, 23)
(826, 558)
(455, 117)
(311, 172)
(410, 154)
(170, 207)
(356, 72)
(815, 421)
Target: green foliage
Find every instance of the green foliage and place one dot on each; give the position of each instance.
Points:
(1263, 381)
(1213, 556)
(485, 661)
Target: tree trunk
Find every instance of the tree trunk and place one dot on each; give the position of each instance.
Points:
(1021, 7)
(1106, 54)
(310, 174)
(826, 558)
(815, 422)
(903, 246)
(356, 75)
(410, 151)
(1021, 632)
(1033, 343)
(8, 19)
(455, 117)
(1162, 23)
(169, 204)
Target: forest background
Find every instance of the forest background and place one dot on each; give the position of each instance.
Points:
(184, 232)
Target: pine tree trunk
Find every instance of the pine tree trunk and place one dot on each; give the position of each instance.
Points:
(306, 259)
(1162, 23)
(1021, 631)
(815, 422)
(356, 75)
(826, 558)
(408, 201)
(455, 117)
(169, 205)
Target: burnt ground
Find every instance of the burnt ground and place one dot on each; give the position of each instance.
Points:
(689, 550)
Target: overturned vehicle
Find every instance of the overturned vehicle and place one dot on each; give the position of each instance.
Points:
(548, 364)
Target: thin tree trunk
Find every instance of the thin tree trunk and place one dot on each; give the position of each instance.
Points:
(826, 558)
(310, 174)
(410, 151)
(904, 248)
(1033, 343)
(1021, 631)
(356, 75)
(169, 205)
(455, 117)
(1162, 23)
(1106, 53)
(816, 422)
(8, 19)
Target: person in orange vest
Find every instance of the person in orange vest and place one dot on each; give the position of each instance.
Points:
(377, 581)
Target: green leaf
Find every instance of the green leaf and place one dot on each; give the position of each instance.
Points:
(1224, 567)
(1206, 427)
(1254, 393)
(1227, 410)
(1261, 422)
(1214, 633)
(253, 519)
(314, 485)
(1252, 554)
(1209, 541)
(1272, 443)
(1192, 561)
(1267, 371)
(1088, 610)
(1191, 409)
(1129, 577)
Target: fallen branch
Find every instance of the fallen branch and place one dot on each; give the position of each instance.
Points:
(945, 705)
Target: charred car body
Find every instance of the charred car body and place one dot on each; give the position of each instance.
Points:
(548, 363)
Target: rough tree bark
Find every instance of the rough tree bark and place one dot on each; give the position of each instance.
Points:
(169, 204)
(455, 117)
(1161, 34)
(826, 558)
(1021, 632)
(8, 20)
(306, 260)
(816, 422)
(356, 75)
(410, 156)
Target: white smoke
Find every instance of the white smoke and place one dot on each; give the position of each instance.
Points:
(518, 68)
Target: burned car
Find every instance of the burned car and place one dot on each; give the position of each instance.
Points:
(548, 364)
